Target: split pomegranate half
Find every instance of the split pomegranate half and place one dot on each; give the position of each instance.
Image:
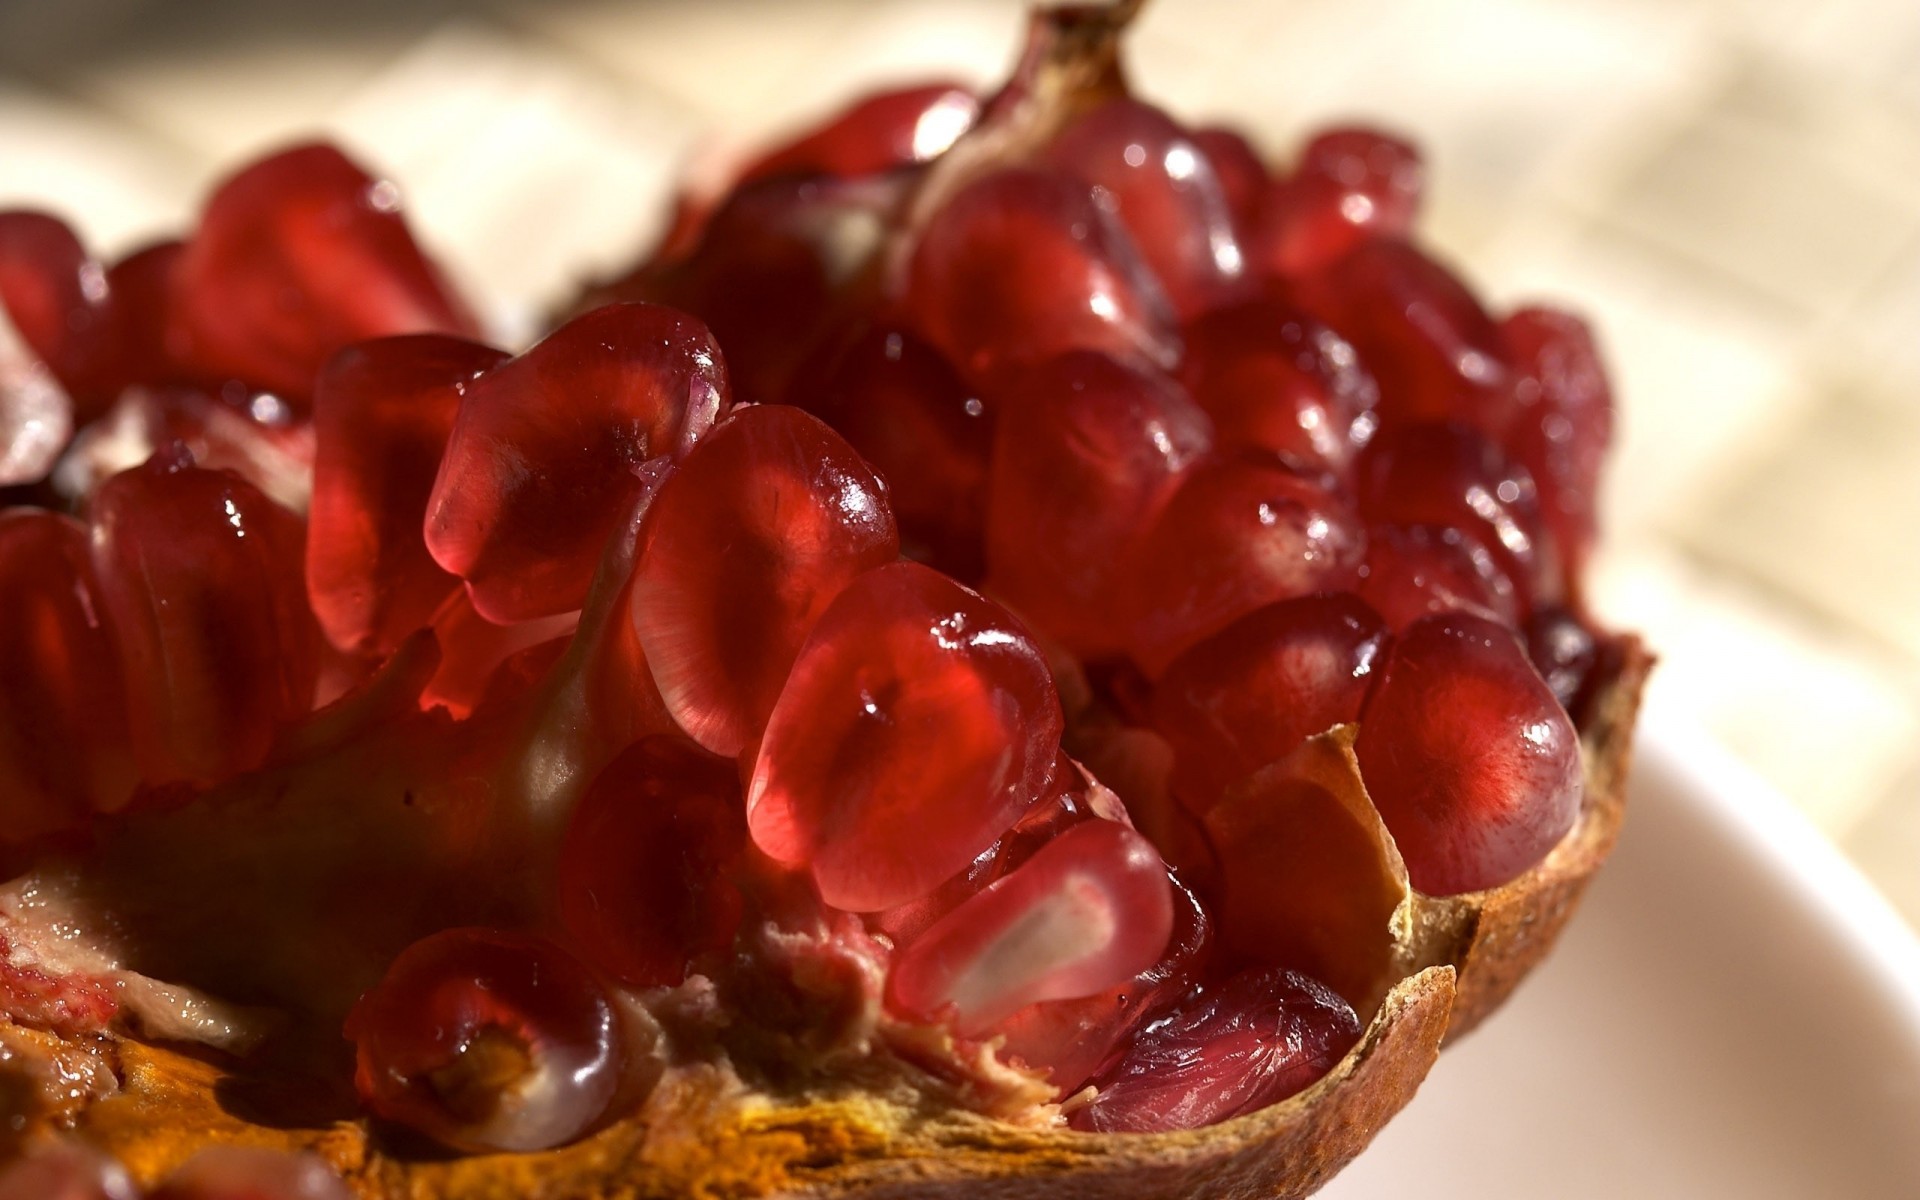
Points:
(1020, 648)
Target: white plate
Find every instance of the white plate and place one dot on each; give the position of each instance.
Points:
(1733, 1013)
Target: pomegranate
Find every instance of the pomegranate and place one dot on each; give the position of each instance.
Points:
(1019, 650)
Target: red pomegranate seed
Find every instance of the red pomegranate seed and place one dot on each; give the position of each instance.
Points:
(876, 133)
(63, 734)
(917, 726)
(1274, 379)
(252, 1173)
(748, 542)
(1564, 424)
(296, 256)
(1249, 694)
(929, 435)
(1021, 265)
(1448, 476)
(485, 1041)
(1239, 534)
(1303, 879)
(1563, 650)
(1165, 192)
(1243, 176)
(546, 452)
(1350, 185)
(643, 876)
(65, 1171)
(1086, 453)
(1435, 352)
(58, 299)
(382, 412)
(200, 576)
(1070, 1039)
(1091, 910)
(1471, 761)
(144, 288)
(1413, 571)
(1232, 1049)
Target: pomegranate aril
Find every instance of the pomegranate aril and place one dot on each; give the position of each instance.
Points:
(1071, 1039)
(1564, 650)
(1166, 194)
(252, 1173)
(1413, 571)
(1239, 534)
(746, 544)
(929, 435)
(296, 256)
(63, 736)
(1230, 1049)
(58, 299)
(65, 1171)
(145, 296)
(545, 455)
(1087, 451)
(200, 576)
(1274, 379)
(1021, 265)
(1450, 477)
(1243, 176)
(382, 412)
(875, 133)
(1563, 425)
(1435, 352)
(1249, 694)
(1092, 909)
(1350, 185)
(918, 724)
(644, 885)
(486, 1040)
(1471, 761)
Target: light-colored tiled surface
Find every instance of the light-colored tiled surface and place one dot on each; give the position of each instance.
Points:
(1731, 188)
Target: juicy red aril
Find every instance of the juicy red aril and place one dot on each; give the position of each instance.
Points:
(1238, 534)
(1021, 265)
(1414, 571)
(1564, 422)
(1563, 650)
(1070, 1039)
(1243, 177)
(296, 256)
(746, 544)
(1092, 909)
(643, 875)
(63, 734)
(1350, 185)
(1274, 379)
(1435, 352)
(1230, 1049)
(65, 1171)
(1471, 761)
(545, 454)
(382, 412)
(1166, 194)
(485, 1041)
(1087, 451)
(251, 1173)
(145, 298)
(876, 133)
(200, 576)
(1449, 476)
(58, 299)
(918, 724)
(1249, 694)
(1303, 880)
(902, 407)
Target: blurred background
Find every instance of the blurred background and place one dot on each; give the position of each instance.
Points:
(1730, 189)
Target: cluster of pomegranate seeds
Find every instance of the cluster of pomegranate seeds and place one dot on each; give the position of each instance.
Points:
(1189, 461)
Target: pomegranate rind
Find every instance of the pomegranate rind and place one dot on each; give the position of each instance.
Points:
(898, 1133)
